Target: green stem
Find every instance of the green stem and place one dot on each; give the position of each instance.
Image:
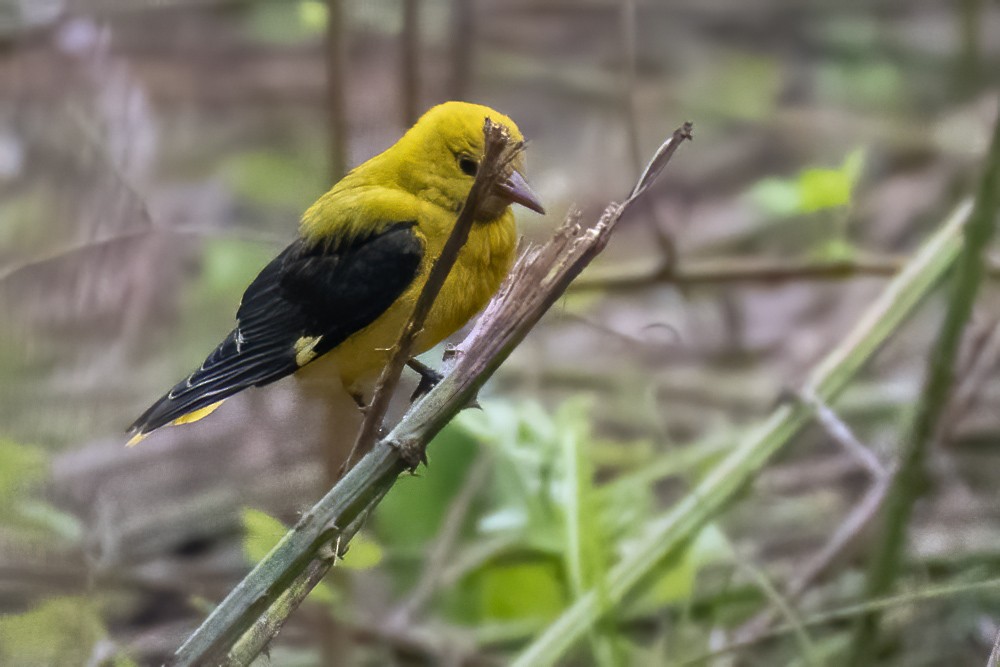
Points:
(908, 483)
(692, 512)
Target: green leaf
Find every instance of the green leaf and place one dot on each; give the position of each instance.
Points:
(821, 189)
(674, 580)
(411, 513)
(831, 188)
(286, 23)
(814, 189)
(776, 196)
(313, 15)
(364, 553)
(58, 632)
(521, 591)
(21, 468)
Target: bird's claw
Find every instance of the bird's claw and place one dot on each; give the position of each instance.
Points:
(428, 378)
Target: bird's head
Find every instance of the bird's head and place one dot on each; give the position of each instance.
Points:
(441, 155)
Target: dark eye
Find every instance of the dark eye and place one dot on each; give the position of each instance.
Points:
(468, 166)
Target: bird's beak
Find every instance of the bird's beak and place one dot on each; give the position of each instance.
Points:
(516, 190)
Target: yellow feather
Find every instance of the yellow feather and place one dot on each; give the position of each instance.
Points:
(195, 415)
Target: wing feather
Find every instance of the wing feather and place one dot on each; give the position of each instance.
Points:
(326, 291)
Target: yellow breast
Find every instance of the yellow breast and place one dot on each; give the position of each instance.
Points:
(481, 266)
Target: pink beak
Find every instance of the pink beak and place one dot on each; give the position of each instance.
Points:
(517, 191)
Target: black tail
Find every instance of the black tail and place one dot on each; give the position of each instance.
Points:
(230, 369)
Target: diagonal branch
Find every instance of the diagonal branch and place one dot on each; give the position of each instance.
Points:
(249, 615)
(497, 156)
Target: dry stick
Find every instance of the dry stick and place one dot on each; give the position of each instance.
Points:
(538, 279)
(742, 270)
(496, 158)
(908, 482)
(849, 529)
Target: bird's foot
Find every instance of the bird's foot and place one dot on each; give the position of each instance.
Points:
(428, 378)
(359, 400)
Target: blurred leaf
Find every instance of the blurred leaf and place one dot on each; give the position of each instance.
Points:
(411, 513)
(524, 440)
(585, 555)
(261, 532)
(674, 580)
(823, 188)
(777, 196)
(60, 631)
(364, 553)
(21, 467)
(285, 23)
(50, 521)
(313, 15)
(522, 591)
(814, 189)
(837, 248)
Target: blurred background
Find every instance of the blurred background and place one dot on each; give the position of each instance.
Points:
(155, 155)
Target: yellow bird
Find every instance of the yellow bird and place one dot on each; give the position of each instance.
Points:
(340, 294)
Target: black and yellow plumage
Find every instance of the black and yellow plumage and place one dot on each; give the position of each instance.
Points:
(341, 292)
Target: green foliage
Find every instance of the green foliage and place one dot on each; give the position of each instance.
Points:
(22, 517)
(543, 531)
(284, 23)
(521, 591)
(411, 514)
(21, 468)
(58, 632)
(812, 190)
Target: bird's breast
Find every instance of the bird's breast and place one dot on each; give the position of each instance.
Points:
(481, 266)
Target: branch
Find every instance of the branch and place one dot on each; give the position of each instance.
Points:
(908, 484)
(497, 156)
(537, 280)
(738, 269)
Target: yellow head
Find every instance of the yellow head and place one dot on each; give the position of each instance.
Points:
(438, 157)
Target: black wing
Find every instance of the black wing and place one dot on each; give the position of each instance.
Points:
(323, 291)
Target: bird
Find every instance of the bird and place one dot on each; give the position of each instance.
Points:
(336, 299)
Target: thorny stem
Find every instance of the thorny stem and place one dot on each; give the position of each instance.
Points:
(498, 153)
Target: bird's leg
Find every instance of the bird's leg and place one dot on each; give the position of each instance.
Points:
(359, 399)
(428, 378)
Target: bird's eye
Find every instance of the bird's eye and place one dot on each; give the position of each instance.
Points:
(468, 166)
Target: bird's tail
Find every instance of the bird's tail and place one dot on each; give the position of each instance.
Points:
(227, 371)
(162, 413)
